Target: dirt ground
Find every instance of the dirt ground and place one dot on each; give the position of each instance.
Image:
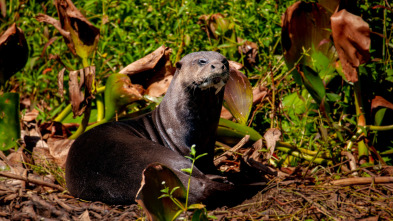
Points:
(286, 200)
(26, 193)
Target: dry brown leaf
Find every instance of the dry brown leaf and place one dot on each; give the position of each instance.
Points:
(79, 100)
(379, 101)
(271, 136)
(154, 71)
(351, 37)
(58, 149)
(79, 34)
(84, 216)
(60, 82)
(235, 65)
(146, 63)
(31, 115)
(159, 88)
(305, 27)
(249, 50)
(13, 52)
(258, 94)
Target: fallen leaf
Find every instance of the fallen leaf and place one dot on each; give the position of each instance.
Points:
(58, 150)
(148, 195)
(84, 216)
(249, 50)
(259, 93)
(271, 136)
(351, 37)
(31, 115)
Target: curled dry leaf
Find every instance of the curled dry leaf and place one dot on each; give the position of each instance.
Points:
(351, 37)
(13, 52)
(271, 136)
(379, 101)
(79, 100)
(249, 50)
(60, 82)
(79, 34)
(148, 196)
(154, 71)
(235, 65)
(305, 26)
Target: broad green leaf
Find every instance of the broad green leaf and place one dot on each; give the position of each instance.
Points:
(238, 96)
(294, 105)
(9, 120)
(156, 207)
(314, 86)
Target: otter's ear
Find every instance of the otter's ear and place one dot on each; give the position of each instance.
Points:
(178, 65)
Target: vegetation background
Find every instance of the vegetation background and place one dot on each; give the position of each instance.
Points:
(129, 30)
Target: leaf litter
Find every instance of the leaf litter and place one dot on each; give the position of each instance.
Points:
(30, 190)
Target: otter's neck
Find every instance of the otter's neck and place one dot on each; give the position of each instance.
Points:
(188, 116)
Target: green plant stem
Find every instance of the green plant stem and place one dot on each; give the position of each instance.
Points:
(362, 146)
(100, 108)
(379, 128)
(82, 127)
(188, 186)
(303, 156)
(64, 113)
(67, 110)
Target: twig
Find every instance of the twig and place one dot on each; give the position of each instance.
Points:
(233, 150)
(317, 205)
(362, 180)
(26, 179)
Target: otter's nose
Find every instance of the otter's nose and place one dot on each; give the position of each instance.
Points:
(213, 66)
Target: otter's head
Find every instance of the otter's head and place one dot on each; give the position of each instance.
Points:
(204, 70)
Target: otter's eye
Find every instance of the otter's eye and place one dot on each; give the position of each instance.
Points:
(202, 61)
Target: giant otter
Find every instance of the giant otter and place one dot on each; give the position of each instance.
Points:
(106, 162)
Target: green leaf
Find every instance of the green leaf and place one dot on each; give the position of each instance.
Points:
(187, 170)
(231, 132)
(119, 92)
(9, 120)
(314, 86)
